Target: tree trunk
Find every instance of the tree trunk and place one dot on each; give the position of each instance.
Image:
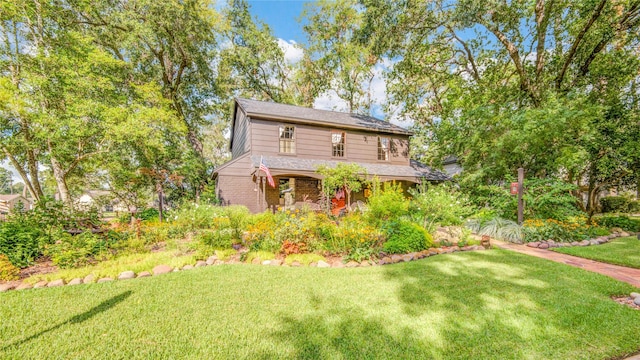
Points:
(159, 190)
(61, 182)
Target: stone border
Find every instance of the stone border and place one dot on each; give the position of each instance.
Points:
(547, 244)
(235, 259)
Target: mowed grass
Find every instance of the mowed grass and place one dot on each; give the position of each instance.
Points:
(620, 251)
(477, 305)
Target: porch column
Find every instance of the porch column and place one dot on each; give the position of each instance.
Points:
(264, 193)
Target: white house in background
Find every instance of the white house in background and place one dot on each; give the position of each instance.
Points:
(9, 202)
(102, 199)
(451, 165)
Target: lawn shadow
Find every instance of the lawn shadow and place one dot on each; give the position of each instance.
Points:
(471, 305)
(77, 319)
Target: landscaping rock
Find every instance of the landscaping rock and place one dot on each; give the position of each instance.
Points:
(266, 262)
(396, 259)
(594, 242)
(212, 260)
(624, 234)
(612, 236)
(76, 281)
(635, 295)
(365, 263)
(126, 275)
(352, 264)
(313, 264)
(88, 279)
(407, 257)
(554, 245)
(187, 267)
(24, 286)
(584, 243)
(637, 301)
(144, 274)
(255, 261)
(337, 264)
(104, 280)
(543, 246)
(551, 241)
(200, 263)
(276, 262)
(40, 284)
(385, 260)
(162, 269)
(323, 264)
(534, 244)
(176, 269)
(296, 264)
(6, 287)
(56, 283)
(575, 243)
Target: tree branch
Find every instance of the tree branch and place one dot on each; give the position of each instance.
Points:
(574, 47)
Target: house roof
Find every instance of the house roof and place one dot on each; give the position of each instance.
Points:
(279, 165)
(10, 197)
(274, 111)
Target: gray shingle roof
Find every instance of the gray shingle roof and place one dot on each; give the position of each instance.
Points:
(271, 110)
(415, 170)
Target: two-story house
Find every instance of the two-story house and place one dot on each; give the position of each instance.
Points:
(293, 141)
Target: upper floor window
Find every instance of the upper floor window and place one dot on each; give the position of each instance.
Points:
(337, 143)
(383, 148)
(287, 139)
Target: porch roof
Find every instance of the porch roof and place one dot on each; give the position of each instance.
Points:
(285, 165)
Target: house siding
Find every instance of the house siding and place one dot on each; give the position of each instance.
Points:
(314, 142)
(241, 135)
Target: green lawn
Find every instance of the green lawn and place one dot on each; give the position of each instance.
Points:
(476, 305)
(621, 251)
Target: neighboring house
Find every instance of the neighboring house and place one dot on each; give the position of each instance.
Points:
(292, 141)
(102, 199)
(8, 203)
(451, 165)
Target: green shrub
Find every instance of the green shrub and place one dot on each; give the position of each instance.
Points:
(634, 206)
(147, 214)
(386, 203)
(8, 271)
(404, 236)
(22, 240)
(614, 204)
(623, 222)
(438, 204)
(216, 239)
(79, 250)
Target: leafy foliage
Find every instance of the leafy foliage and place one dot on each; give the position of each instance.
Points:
(433, 204)
(404, 236)
(623, 222)
(8, 271)
(386, 203)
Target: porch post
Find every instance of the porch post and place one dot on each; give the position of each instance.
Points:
(257, 190)
(264, 194)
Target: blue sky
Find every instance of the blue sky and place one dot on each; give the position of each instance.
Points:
(282, 16)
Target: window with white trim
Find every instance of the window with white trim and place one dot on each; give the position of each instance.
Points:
(383, 148)
(338, 139)
(287, 139)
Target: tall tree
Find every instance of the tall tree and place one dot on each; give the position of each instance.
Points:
(516, 84)
(338, 60)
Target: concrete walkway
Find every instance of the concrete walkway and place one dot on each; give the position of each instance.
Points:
(628, 275)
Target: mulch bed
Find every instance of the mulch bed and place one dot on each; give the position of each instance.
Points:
(625, 300)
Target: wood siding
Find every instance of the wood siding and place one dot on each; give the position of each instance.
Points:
(241, 135)
(314, 142)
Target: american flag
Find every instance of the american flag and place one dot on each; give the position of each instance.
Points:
(264, 168)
